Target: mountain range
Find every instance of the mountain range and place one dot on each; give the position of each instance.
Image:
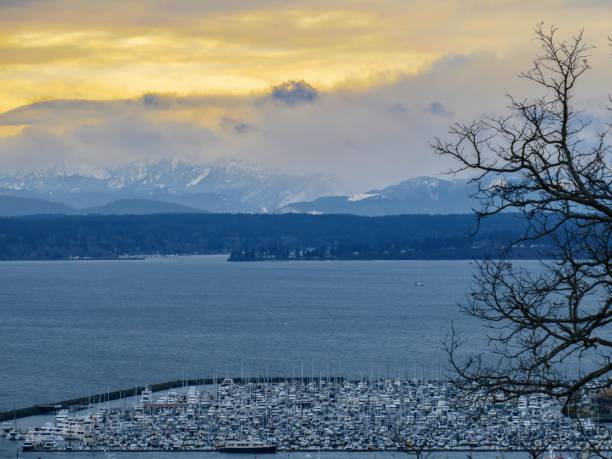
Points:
(11, 206)
(420, 195)
(221, 186)
(227, 186)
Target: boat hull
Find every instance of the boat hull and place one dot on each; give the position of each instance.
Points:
(248, 449)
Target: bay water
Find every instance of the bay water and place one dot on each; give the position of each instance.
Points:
(73, 328)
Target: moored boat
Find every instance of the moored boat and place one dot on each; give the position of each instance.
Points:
(247, 447)
(28, 445)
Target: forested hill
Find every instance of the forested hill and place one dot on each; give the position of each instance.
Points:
(257, 237)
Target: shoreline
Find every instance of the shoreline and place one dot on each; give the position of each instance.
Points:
(305, 450)
(262, 260)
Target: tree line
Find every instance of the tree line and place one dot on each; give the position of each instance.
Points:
(254, 237)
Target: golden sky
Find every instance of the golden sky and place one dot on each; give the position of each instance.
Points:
(113, 49)
(388, 75)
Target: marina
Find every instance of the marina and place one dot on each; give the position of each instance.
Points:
(319, 414)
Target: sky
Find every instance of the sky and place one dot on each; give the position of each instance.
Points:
(347, 88)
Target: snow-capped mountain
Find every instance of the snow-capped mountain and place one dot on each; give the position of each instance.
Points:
(221, 186)
(420, 195)
(227, 186)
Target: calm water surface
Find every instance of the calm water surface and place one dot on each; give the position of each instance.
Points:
(78, 327)
(9, 453)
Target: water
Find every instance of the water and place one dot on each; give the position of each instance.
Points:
(10, 453)
(77, 327)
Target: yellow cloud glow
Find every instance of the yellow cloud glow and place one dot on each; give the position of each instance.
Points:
(7, 131)
(67, 49)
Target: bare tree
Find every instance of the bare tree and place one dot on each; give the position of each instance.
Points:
(590, 448)
(420, 444)
(534, 448)
(549, 162)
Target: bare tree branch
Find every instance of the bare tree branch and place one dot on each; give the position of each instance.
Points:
(542, 160)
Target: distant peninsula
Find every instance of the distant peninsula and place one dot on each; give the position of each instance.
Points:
(258, 237)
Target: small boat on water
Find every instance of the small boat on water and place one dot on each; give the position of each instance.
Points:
(28, 445)
(49, 444)
(552, 455)
(247, 447)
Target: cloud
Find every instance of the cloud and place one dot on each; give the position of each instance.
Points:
(294, 92)
(153, 100)
(235, 126)
(116, 49)
(367, 136)
(437, 108)
(89, 133)
(398, 108)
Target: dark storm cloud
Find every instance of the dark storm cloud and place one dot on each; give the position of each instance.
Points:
(294, 92)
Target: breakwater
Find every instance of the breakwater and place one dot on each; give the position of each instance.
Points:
(93, 399)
